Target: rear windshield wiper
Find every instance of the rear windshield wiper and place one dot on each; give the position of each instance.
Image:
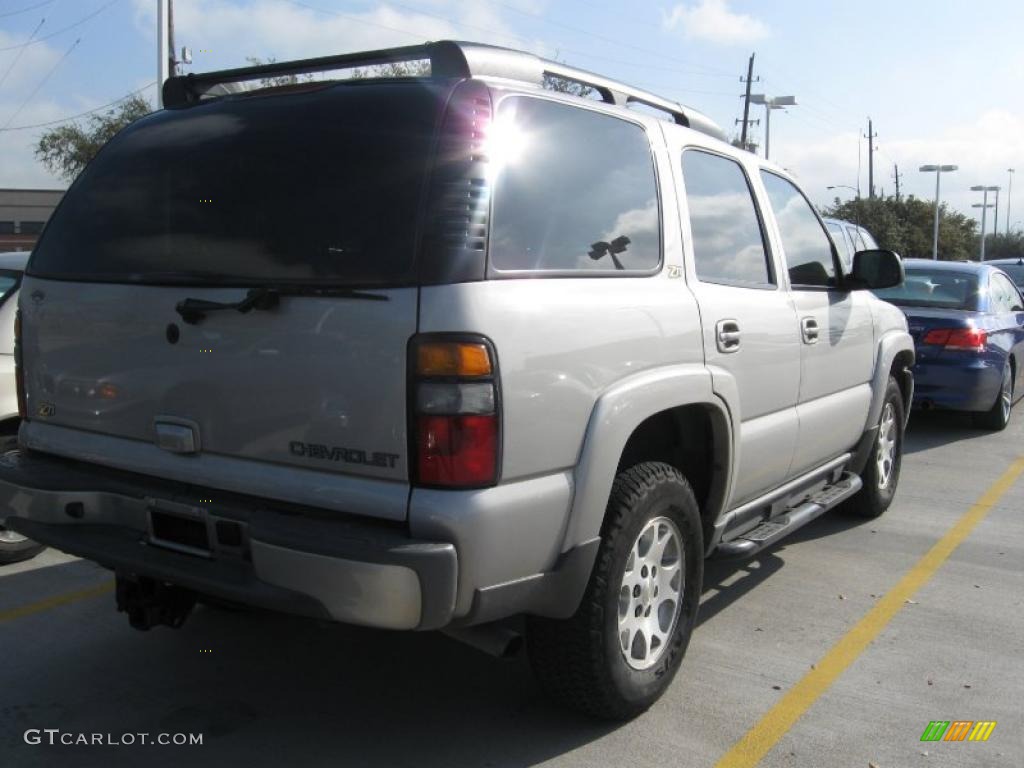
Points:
(266, 297)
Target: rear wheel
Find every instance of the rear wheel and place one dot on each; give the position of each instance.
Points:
(998, 416)
(620, 650)
(13, 546)
(882, 473)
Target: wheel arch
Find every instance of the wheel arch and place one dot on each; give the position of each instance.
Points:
(671, 415)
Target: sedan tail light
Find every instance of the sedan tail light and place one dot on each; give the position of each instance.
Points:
(963, 339)
(456, 424)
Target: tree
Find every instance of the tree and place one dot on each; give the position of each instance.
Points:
(66, 149)
(1004, 246)
(907, 225)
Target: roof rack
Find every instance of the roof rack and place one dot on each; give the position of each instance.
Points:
(448, 58)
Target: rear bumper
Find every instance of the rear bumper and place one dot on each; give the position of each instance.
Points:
(328, 566)
(959, 385)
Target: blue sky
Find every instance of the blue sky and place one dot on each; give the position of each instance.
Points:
(942, 80)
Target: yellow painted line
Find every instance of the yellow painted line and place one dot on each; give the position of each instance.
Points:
(759, 740)
(55, 601)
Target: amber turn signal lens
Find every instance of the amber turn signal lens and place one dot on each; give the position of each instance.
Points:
(452, 359)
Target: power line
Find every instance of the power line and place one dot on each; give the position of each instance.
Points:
(80, 114)
(78, 23)
(26, 9)
(41, 83)
(22, 51)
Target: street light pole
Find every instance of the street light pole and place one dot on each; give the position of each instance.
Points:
(1009, 199)
(995, 215)
(938, 170)
(770, 103)
(984, 205)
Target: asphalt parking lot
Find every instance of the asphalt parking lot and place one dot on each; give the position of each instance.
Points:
(836, 648)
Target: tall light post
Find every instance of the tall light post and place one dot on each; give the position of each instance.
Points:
(770, 103)
(995, 214)
(938, 170)
(1009, 198)
(844, 186)
(984, 205)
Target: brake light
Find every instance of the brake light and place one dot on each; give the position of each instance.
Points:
(456, 423)
(19, 371)
(964, 339)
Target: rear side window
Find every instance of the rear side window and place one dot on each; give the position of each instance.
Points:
(842, 244)
(856, 239)
(869, 241)
(575, 191)
(728, 245)
(321, 186)
(807, 247)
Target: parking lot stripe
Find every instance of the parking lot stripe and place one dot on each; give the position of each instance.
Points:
(759, 740)
(55, 601)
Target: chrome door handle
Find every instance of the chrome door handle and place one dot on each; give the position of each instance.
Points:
(727, 335)
(809, 327)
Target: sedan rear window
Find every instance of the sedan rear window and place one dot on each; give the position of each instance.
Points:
(940, 288)
(319, 186)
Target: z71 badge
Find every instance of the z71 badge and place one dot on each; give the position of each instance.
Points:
(45, 410)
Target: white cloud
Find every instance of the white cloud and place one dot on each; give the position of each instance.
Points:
(232, 31)
(18, 166)
(712, 20)
(983, 148)
(25, 70)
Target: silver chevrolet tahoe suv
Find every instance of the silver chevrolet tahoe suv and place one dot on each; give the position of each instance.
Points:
(456, 351)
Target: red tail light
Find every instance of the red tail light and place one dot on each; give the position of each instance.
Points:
(964, 339)
(19, 371)
(456, 425)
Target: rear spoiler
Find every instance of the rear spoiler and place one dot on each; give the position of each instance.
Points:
(448, 59)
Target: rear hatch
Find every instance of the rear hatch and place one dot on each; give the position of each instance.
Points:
(309, 198)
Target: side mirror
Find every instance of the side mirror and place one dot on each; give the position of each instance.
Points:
(875, 269)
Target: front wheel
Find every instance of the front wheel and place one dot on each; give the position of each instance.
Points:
(882, 473)
(619, 652)
(998, 416)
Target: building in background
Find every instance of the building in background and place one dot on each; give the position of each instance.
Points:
(23, 212)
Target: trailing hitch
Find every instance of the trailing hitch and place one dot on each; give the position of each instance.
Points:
(150, 603)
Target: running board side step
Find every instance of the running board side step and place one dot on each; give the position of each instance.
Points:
(771, 531)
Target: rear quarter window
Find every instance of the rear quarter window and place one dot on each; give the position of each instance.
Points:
(575, 191)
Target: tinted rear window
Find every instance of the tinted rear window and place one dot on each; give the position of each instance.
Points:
(575, 191)
(322, 186)
(940, 288)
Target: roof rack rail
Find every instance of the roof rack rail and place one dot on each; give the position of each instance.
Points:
(448, 59)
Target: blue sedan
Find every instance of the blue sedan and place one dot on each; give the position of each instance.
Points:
(967, 321)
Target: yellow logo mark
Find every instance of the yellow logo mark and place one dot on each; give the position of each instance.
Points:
(982, 730)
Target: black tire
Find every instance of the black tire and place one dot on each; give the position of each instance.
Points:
(998, 416)
(875, 496)
(21, 548)
(578, 661)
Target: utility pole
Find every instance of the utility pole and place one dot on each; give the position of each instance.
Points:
(172, 65)
(746, 102)
(896, 175)
(163, 50)
(871, 160)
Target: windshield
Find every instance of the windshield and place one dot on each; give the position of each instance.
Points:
(322, 186)
(940, 288)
